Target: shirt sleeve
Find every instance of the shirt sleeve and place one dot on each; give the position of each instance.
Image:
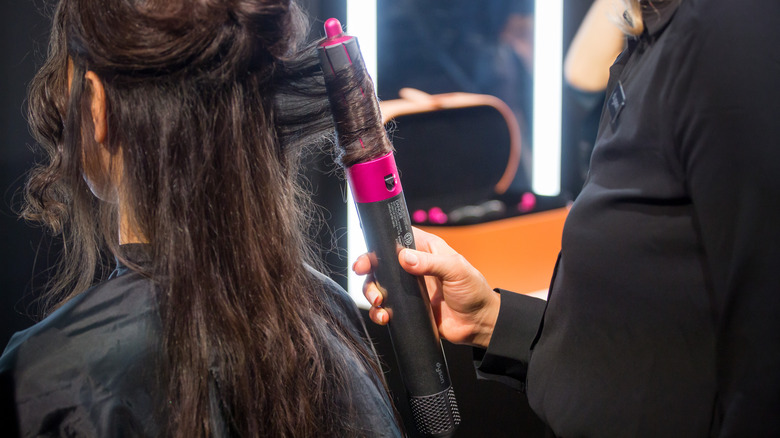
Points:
(506, 358)
(728, 137)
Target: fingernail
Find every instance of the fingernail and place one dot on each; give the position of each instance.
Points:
(375, 300)
(383, 318)
(410, 257)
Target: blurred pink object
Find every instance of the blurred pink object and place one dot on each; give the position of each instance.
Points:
(419, 216)
(527, 202)
(437, 216)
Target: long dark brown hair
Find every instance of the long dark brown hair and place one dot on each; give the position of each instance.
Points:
(208, 104)
(360, 133)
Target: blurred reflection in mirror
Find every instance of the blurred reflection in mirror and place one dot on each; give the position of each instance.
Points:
(483, 47)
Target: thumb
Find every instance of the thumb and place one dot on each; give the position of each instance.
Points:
(446, 267)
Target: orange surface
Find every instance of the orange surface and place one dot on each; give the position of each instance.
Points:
(516, 254)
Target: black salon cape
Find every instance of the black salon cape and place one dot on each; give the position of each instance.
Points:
(663, 319)
(88, 370)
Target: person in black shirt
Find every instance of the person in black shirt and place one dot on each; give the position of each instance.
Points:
(663, 318)
(185, 119)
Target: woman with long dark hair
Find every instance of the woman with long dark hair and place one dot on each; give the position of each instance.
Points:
(173, 130)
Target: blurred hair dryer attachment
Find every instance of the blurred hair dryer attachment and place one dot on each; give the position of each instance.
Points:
(376, 188)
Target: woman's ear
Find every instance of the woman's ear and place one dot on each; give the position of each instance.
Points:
(97, 106)
(102, 170)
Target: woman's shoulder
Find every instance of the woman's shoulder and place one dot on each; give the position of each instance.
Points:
(724, 55)
(107, 306)
(376, 416)
(336, 298)
(62, 370)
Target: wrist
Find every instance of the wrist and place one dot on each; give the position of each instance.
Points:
(483, 328)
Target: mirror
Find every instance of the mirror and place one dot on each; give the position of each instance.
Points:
(480, 47)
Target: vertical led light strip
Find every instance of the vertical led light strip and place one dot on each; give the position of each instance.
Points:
(361, 23)
(548, 60)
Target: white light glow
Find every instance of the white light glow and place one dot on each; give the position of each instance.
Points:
(548, 60)
(356, 245)
(361, 23)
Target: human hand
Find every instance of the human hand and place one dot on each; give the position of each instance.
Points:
(463, 304)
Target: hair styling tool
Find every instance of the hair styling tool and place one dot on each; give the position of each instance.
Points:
(367, 156)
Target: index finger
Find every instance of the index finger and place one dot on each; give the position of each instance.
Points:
(362, 265)
(431, 243)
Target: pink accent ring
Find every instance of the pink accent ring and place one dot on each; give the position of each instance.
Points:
(374, 180)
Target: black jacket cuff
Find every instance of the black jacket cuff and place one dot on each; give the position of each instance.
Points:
(506, 358)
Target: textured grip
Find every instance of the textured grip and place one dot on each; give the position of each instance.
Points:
(437, 414)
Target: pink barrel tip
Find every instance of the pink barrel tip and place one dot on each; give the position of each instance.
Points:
(333, 28)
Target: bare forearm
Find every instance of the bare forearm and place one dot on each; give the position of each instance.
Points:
(595, 46)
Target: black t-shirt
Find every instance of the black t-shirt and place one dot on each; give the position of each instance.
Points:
(90, 368)
(664, 315)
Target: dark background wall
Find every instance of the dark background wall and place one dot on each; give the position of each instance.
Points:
(488, 408)
(23, 41)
